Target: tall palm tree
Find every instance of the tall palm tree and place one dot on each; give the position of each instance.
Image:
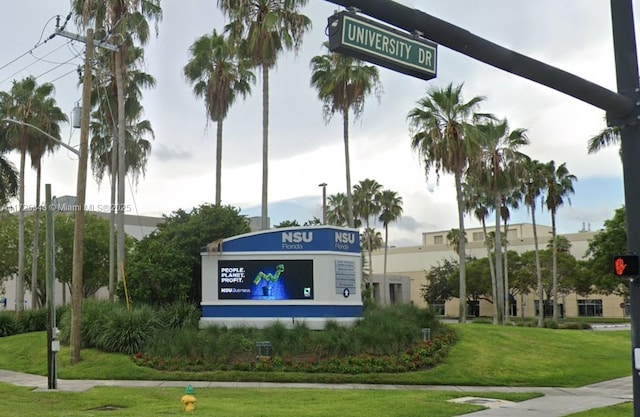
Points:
(496, 169)
(8, 173)
(559, 185)
(440, 128)
(366, 204)
(337, 212)
(263, 29)
(104, 133)
(32, 104)
(126, 21)
(343, 83)
(533, 184)
(218, 74)
(390, 211)
(37, 149)
(479, 203)
(511, 200)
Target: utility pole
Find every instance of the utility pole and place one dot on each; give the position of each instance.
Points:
(81, 187)
(78, 230)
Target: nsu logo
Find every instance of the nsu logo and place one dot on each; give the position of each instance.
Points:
(345, 237)
(297, 237)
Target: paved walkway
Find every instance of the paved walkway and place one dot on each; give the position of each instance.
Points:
(556, 402)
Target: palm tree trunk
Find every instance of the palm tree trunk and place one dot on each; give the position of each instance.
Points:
(386, 246)
(265, 145)
(36, 237)
(506, 272)
(538, 269)
(119, 61)
(347, 163)
(554, 259)
(112, 217)
(492, 271)
(498, 247)
(21, 254)
(462, 256)
(218, 161)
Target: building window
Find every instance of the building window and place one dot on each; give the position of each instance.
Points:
(478, 236)
(437, 308)
(438, 240)
(590, 308)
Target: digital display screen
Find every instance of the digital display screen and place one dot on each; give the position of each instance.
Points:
(265, 280)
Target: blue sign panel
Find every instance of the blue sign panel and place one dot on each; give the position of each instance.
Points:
(296, 239)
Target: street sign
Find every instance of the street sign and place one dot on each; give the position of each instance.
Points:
(626, 265)
(353, 35)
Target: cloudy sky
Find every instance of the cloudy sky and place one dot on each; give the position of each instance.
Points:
(574, 35)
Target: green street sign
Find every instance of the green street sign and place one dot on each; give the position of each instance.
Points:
(353, 35)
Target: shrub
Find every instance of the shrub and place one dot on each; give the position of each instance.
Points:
(34, 320)
(125, 331)
(550, 324)
(8, 324)
(178, 315)
(390, 330)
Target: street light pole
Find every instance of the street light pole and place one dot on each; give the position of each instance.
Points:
(324, 202)
(53, 138)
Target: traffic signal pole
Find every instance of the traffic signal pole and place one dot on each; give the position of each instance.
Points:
(622, 107)
(626, 58)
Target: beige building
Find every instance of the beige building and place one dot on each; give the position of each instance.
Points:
(412, 263)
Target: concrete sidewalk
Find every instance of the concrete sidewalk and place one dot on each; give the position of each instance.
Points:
(556, 402)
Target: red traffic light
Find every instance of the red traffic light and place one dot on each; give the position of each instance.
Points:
(626, 265)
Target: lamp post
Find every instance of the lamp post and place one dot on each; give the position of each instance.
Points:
(53, 138)
(324, 202)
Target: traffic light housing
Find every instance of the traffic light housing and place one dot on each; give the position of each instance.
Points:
(626, 266)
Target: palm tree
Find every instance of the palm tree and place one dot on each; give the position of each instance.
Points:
(559, 185)
(126, 20)
(509, 201)
(37, 149)
(480, 204)
(8, 174)
(337, 209)
(343, 83)
(496, 169)
(390, 211)
(29, 103)
(606, 137)
(440, 128)
(218, 75)
(366, 195)
(263, 29)
(104, 134)
(533, 184)
(454, 238)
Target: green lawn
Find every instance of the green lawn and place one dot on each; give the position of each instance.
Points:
(484, 355)
(620, 410)
(226, 402)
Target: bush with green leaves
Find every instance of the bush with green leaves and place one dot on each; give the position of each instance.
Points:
(8, 324)
(112, 327)
(386, 340)
(32, 320)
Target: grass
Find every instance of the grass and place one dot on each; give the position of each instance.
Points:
(228, 402)
(620, 410)
(484, 355)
